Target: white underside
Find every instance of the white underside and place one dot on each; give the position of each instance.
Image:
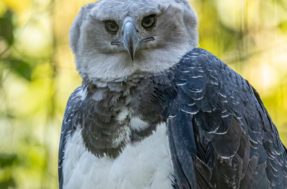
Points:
(144, 165)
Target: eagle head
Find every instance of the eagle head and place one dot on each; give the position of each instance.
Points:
(112, 39)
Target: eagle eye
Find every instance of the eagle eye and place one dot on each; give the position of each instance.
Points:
(149, 21)
(111, 26)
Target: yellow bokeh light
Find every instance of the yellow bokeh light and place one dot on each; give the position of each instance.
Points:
(16, 5)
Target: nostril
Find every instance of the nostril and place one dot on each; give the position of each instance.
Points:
(147, 39)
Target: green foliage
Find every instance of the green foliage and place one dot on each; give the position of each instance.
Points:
(8, 183)
(7, 160)
(7, 27)
(7, 163)
(20, 67)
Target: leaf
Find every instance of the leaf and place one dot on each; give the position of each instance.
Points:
(8, 183)
(7, 27)
(20, 67)
(7, 160)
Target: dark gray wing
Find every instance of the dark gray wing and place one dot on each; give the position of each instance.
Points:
(221, 136)
(72, 118)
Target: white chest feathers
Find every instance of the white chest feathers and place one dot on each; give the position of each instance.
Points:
(144, 165)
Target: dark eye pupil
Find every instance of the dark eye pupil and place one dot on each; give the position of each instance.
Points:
(111, 26)
(148, 21)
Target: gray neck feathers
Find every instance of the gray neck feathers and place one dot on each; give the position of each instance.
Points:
(141, 95)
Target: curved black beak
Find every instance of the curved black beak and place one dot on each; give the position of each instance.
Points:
(131, 37)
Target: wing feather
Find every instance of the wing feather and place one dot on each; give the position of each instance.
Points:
(72, 118)
(219, 128)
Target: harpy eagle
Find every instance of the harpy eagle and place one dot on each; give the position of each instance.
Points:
(156, 112)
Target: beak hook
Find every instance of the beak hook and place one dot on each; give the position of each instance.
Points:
(130, 38)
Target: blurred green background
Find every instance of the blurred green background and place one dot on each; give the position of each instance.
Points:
(37, 73)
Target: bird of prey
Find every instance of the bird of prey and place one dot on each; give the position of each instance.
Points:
(154, 111)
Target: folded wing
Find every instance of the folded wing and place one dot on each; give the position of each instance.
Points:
(221, 136)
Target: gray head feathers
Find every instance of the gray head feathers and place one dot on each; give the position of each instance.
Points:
(102, 55)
